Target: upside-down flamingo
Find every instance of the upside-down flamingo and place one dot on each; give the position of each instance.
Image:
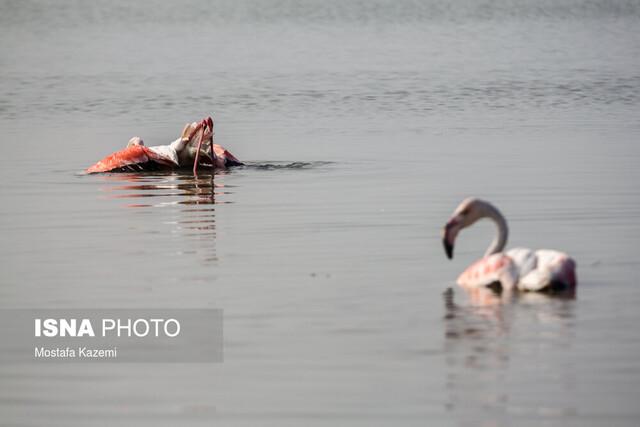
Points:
(518, 268)
(194, 146)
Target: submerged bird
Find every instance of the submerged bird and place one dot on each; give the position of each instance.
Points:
(518, 268)
(194, 147)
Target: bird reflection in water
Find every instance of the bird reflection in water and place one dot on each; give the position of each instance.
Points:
(189, 200)
(493, 340)
(189, 189)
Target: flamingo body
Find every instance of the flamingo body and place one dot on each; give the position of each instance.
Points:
(141, 158)
(521, 268)
(191, 149)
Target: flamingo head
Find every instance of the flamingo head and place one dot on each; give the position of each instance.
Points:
(467, 213)
(136, 140)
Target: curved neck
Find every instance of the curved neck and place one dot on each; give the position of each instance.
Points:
(500, 241)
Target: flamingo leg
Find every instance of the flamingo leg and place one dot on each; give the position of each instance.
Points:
(213, 153)
(213, 161)
(200, 139)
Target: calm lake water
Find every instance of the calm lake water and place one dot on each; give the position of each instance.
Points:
(363, 123)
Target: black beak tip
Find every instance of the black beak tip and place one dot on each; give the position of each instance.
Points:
(448, 248)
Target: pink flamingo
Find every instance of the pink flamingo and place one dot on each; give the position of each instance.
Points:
(517, 268)
(194, 145)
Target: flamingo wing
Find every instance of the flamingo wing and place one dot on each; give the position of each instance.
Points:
(488, 270)
(524, 259)
(553, 268)
(166, 152)
(229, 159)
(135, 158)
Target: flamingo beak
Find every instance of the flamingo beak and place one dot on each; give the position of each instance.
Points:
(449, 234)
(448, 248)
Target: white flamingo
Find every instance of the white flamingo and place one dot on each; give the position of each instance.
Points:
(518, 268)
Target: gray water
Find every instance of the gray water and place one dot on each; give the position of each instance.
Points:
(363, 125)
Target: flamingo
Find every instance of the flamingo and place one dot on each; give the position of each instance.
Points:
(518, 268)
(189, 149)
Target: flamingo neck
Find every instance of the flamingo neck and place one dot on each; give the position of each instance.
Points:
(500, 240)
(179, 144)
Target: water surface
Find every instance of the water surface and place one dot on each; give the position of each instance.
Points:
(364, 124)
